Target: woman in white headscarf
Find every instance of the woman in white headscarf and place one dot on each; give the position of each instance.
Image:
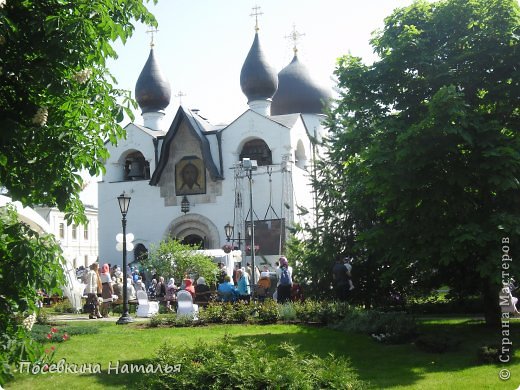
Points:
(171, 291)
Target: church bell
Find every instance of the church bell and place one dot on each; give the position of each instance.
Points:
(136, 170)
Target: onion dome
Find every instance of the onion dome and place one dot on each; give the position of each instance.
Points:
(152, 90)
(258, 79)
(297, 92)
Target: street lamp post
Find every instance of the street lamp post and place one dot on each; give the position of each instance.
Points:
(124, 203)
(250, 166)
(229, 230)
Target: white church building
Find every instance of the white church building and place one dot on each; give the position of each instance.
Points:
(188, 180)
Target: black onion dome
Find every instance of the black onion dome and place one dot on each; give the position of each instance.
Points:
(258, 79)
(297, 92)
(152, 90)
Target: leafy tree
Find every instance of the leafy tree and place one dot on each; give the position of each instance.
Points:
(173, 259)
(58, 107)
(58, 104)
(29, 261)
(426, 144)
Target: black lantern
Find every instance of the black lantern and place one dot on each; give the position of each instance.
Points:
(185, 205)
(228, 230)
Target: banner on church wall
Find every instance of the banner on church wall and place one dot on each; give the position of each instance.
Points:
(269, 236)
(190, 176)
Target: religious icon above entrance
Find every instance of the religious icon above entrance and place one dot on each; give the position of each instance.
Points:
(190, 177)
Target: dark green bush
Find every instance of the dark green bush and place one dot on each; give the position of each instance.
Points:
(267, 312)
(213, 313)
(229, 364)
(397, 327)
(488, 354)
(437, 342)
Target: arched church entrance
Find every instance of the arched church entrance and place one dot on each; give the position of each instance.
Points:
(196, 230)
(194, 240)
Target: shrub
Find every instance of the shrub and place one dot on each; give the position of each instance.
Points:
(397, 327)
(249, 365)
(267, 312)
(488, 354)
(42, 317)
(436, 343)
(212, 313)
(287, 312)
(63, 307)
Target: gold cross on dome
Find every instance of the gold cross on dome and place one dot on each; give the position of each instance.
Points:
(152, 31)
(256, 13)
(295, 37)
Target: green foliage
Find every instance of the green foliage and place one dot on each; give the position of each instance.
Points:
(59, 333)
(267, 312)
(396, 327)
(488, 354)
(29, 261)
(58, 108)
(250, 365)
(63, 307)
(287, 312)
(59, 105)
(173, 259)
(422, 163)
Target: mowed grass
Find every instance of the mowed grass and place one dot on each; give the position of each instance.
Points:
(384, 366)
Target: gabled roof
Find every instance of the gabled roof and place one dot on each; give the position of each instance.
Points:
(280, 120)
(199, 132)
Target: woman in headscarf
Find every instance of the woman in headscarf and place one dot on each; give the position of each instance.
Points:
(106, 291)
(188, 286)
(284, 274)
(92, 288)
(170, 296)
(202, 292)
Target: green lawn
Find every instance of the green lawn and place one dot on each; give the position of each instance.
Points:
(384, 366)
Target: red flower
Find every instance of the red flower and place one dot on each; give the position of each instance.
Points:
(49, 336)
(54, 330)
(47, 351)
(53, 348)
(66, 337)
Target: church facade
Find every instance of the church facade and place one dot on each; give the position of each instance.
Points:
(192, 179)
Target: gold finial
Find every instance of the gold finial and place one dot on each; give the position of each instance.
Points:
(152, 31)
(180, 94)
(295, 37)
(256, 13)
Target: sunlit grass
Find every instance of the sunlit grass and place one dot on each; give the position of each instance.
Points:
(384, 366)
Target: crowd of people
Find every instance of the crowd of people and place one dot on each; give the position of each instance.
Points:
(104, 286)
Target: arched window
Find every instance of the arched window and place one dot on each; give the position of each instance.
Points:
(257, 150)
(136, 167)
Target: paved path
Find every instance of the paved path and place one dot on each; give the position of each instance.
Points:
(84, 317)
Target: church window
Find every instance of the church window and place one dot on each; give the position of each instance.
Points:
(136, 167)
(257, 150)
(74, 232)
(62, 230)
(85, 232)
